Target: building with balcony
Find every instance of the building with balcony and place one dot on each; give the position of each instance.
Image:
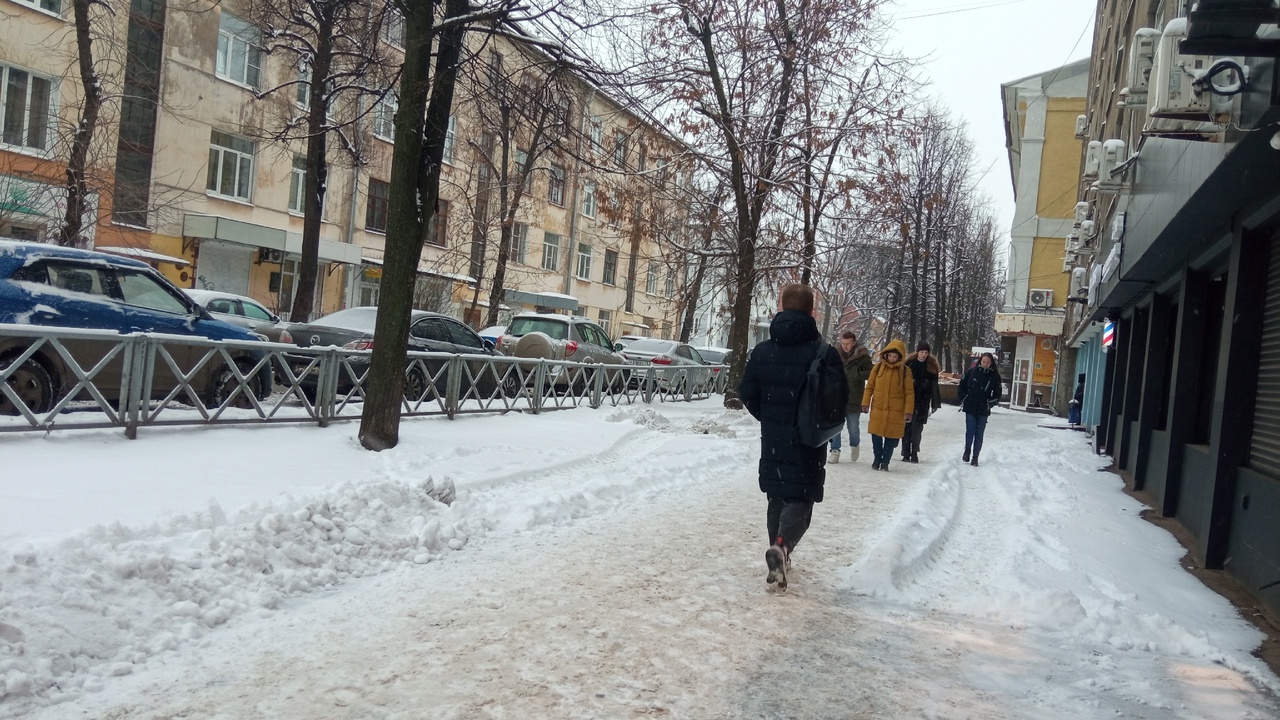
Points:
(1177, 276)
(1040, 114)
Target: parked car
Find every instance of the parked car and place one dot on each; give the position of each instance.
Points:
(678, 367)
(493, 333)
(240, 310)
(624, 340)
(353, 329)
(58, 287)
(565, 338)
(716, 355)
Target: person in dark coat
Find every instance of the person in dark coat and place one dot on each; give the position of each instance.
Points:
(924, 371)
(791, 474)
(857, 368)
(1077, 402)
(979, 391)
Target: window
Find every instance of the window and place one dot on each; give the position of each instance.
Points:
(450, 137)
(11, 230)
(140, 93)
(463, 335)
(304, 83)
(393, 27)
(662, 172)
(606, 320)
(230, 166)
(615, 207)
(384, 117)
(551, 252)
(254, 311)
(522, 159)
(610, 267)
(669, 287)
(375, 213)
(651, 282)
(222, 305)
(494, 70)
(555, 185)
(239, 51)
(289, 280)
(620, 149)
(297, 184)
(72, 278)
(584, 261)
(142, 291)
(438, 224)
(519, 243)
(589, 199)
(641, 159)
(24, 110)
(53, 6)
(597, 132)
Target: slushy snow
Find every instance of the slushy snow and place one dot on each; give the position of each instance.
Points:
(593, 564)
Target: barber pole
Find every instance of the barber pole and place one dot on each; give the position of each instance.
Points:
(1108, 333)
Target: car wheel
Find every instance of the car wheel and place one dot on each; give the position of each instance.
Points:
(31, 383)
(415, 385)
(511, 384)
(225, 384)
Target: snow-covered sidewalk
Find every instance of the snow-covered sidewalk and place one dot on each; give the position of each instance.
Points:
(592, 564)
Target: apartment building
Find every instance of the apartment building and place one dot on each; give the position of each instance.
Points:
(191, 172)
(1175, 270)
(1040, 114)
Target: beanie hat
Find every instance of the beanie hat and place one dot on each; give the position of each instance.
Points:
(922, 345)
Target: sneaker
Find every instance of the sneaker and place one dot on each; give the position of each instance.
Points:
(833, 457)
(853, 454)
(875, 465)
(776, 558)
(966, 455)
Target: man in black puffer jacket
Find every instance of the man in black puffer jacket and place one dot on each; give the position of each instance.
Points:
(791, 474)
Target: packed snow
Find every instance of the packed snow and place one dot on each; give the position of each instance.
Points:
(593, 564)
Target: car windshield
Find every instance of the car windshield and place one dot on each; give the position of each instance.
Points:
(651, 346)
(712, 356)
(360, 319)
(553, 328)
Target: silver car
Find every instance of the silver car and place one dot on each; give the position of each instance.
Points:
(677, 367)
(240, 310)
(566, 338)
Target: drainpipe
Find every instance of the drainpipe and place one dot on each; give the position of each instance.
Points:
(354, 274)
(572, 255)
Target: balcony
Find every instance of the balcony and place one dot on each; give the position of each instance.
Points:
(1225, 28)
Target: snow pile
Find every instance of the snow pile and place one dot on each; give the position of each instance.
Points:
(97, 605)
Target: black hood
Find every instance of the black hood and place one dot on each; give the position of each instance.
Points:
(792, 327)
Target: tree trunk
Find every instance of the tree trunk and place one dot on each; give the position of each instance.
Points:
(77, 164)
(317, 174)
(415, 191)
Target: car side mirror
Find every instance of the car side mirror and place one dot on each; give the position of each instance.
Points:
(488, 344)
(618, 347)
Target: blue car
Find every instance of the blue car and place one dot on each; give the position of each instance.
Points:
(58, 287)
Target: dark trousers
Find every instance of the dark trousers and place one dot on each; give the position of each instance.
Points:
(788, 520)
(974, 427)
(883, 447)
(911, 438)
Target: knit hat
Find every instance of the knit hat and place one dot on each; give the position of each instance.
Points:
(922, 345)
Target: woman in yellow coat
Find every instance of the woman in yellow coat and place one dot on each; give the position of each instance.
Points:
(889, 399)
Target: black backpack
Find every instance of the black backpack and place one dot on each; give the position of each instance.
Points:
(823, 401)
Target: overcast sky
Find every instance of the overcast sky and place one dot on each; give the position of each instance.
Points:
(974, 46)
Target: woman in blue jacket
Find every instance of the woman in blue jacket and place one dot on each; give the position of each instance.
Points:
(979, 391)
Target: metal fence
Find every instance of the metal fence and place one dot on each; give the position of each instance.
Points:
(69, 379)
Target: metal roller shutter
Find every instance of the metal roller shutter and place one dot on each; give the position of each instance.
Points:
(1264, 455)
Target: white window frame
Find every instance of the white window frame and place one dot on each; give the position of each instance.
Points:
(50, 102)
(551, 252)
(557, 173)
(651, 280)
(606, 320)
(40, 6)
(589, 198)
(597, 132)
(391, 22)
(584, 262)
(221, 151)
(297, 185)
(450, 139)
(231, 37)
(519, 243)
(384, 117)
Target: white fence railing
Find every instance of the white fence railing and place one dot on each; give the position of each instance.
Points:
(66, 379)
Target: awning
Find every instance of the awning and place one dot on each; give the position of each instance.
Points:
(424, 269)
(635, 324)
(542, 299)
(141, 254)
(214, 227)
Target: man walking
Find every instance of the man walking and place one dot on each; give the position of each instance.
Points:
(857, 366)
(924, 374)
(791, 474)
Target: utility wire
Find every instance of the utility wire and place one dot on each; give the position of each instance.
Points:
(937, 12)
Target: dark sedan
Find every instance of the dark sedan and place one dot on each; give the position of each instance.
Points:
(353, 329)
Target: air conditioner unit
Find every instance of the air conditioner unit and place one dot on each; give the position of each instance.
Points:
(268, 255)
(1174, 86)
(1040, 298)
(1082, 214)
(1088, 228)
(1113, 156)
(1082, 127)
(1068, 262)
(1073, 242)
(1080, 282)
(1142, 56)
(1092, 159)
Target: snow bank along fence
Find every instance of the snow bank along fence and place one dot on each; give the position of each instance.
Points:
(60, 378)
